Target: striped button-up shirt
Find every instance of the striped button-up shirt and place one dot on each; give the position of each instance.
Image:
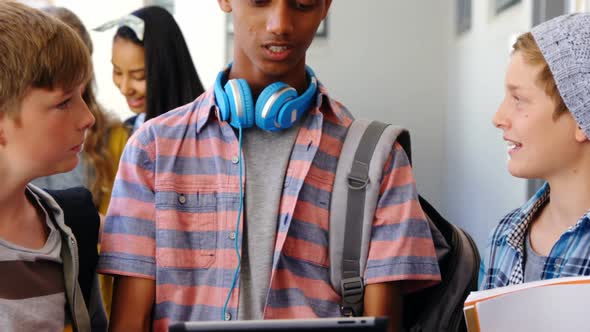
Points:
(175, 201)
(504, 265)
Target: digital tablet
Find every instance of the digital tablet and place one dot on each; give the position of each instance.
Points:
(373, 324)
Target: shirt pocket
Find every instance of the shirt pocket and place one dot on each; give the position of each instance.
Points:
(186, 235)
(307, 238)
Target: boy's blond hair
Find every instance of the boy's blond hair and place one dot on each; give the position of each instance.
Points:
(527, 46)
(37, 51)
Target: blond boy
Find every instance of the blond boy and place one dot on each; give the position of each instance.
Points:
(47, 272)
(545, 119)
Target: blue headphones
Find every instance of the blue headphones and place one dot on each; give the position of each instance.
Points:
(278, 106)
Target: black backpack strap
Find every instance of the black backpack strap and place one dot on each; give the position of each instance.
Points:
(81, 216)
(352, 284)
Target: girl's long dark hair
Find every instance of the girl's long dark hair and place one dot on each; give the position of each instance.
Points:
(172, 79)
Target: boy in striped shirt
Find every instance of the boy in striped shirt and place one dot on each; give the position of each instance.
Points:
(221, 207)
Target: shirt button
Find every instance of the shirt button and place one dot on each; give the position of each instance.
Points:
(227, 316)
(232, 236)
(235, 159)
(181, 199)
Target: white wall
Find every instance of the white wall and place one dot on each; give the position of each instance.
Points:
(386, 60)
(201, 23)
(203, 26)
(479, 191)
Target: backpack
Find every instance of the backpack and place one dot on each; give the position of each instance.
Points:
(356, 186)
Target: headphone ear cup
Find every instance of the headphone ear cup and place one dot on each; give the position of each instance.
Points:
(270, 103)
(240, 103)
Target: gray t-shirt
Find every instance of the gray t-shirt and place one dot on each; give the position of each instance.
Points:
(266, 158)
(32, 288)
(534, 263)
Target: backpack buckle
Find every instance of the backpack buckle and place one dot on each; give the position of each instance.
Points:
(352, 290)
(357, 182)
(358, 178)
(347, 311)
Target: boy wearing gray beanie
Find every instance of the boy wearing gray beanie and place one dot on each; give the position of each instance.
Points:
(545, 119)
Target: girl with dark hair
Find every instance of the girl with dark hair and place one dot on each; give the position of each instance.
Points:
(152, 66)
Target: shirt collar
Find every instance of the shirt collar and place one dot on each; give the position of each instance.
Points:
(51, 204)
(327, 105)
(208, 109)
(522, 219)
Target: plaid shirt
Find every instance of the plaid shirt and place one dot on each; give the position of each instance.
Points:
(570, 255)
(174, 207)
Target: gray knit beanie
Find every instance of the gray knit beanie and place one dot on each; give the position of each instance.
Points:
(565, 44)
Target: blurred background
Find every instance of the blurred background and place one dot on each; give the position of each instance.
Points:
(434, 66)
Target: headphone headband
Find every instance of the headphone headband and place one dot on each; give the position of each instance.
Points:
(278, 106)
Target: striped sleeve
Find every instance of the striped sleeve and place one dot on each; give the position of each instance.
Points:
(401, 245)
(128, 240)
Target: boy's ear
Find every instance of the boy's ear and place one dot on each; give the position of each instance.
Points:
(225, 5)
(580, 135)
